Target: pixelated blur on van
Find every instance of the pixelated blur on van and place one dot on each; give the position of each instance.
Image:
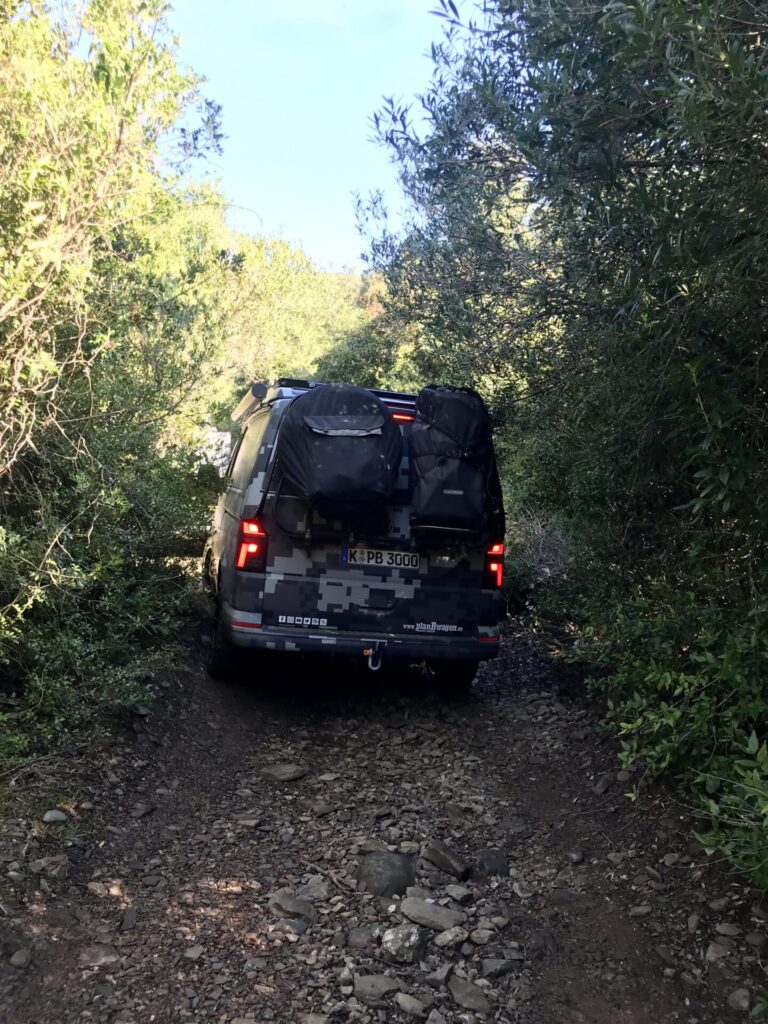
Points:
(359, 522)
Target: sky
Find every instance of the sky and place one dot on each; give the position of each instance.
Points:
(298, 82)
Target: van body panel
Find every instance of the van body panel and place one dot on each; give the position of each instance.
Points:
(310, 598)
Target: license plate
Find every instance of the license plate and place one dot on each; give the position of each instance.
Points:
(376, 557)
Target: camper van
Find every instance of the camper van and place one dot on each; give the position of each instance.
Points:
(359, 522)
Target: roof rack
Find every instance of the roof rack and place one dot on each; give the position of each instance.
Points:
(261, 393)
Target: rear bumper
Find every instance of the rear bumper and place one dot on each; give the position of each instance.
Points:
(245, 630)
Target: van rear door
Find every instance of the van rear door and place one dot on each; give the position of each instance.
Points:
(318, 577)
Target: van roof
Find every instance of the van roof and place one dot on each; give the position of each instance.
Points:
(261, 393)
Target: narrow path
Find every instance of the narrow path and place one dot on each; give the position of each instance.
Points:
(158, 904)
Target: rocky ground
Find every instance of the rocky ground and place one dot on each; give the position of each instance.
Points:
(328, 846)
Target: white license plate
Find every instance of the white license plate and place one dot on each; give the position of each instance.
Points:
(376, 557)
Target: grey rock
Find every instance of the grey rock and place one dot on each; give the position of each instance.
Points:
(55, 817)
(430, 915)
(643, 910)
(575, 856)
(717, 950)
(283, 772)
(740, 999)
(447, 860)
(522, 889)
(603, 784)
(360, 937)
(728, 928)
(386, 874)
(497, 968)
(481, 936)
(315, 1018)
(755, 939)
(623, 776)
(435, 1017)
(21, 957)
(375, 989)
(420, 891)
(141, 810)
(315, 888)
(517, 828)
(99, 954)
(693, 923)
(451, 937)
(468, 996)
(294, 925)
(491, 861)
(440, 976)
(285, 905)
(410, 1005)
(129, 919)
(459, 894)
(405, 943)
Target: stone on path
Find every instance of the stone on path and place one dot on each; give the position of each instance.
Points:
(447, 860)
(468, 996)
(410, 1005)
(386, 874)
(55, 817)
(315, 888)
(491, 861)
(99, 954)
(497, 968)
(21, 957)
(435, 1017)
(283, 772)
(643, 910)
(451, 937)
(431, 915)
(603, 784)
(129, 919)
(459, 894)
(740, 999)
(284, 904)
(405, 943)
(375, 989)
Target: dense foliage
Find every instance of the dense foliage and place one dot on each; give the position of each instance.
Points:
(129, 316)
(588, 244)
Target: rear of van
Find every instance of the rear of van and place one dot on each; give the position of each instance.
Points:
(288, 579)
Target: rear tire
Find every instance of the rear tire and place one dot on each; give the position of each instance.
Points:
(221, 653)
(453, 676)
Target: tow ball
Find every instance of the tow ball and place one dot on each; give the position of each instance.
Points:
(375, 656)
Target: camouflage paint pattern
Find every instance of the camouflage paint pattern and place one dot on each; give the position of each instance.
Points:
(309, 599)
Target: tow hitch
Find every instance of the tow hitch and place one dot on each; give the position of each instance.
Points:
(375, 655)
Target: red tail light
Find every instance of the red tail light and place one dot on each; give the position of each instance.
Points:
(403, 417)
(494, 564)
(251, 547)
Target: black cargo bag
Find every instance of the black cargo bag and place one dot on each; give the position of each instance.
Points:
(341, 449)
(451, 465)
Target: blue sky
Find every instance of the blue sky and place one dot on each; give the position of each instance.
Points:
(298, 81)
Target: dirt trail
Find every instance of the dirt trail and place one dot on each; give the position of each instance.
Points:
(158, 903)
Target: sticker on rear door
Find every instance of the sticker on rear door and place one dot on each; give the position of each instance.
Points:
(376, 557)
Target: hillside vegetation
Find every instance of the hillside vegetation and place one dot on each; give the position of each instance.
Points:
(130, 315)
(588, 244)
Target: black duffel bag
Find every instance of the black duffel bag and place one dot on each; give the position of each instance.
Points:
(341, 450)
(451, 464)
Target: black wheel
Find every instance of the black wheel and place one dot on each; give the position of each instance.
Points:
(221, 653)
(453, 676)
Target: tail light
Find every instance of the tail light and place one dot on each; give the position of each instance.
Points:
(251, 547)
(494, 564)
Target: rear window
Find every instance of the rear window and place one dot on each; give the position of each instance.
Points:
(247, 452)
